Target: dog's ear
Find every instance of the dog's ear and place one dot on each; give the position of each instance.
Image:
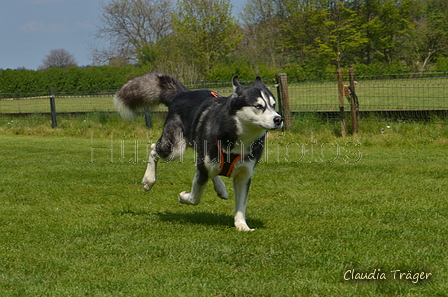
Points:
(259, 82)
(236, 84)
(235, 81)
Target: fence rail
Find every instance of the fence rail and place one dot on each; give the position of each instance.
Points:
(410, 95)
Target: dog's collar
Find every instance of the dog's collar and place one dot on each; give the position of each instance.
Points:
(227, 161)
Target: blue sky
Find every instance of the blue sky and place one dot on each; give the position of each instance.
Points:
(29, 29)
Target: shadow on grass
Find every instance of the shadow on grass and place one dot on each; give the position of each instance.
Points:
(205, 218)
(199, 218)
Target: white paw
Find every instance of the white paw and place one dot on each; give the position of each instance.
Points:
(243, 227)
(148, 184)
(186, 198)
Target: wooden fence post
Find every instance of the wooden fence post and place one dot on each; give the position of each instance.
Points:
(341, 103)
(283, 100)
(351, 73)
(54, 123)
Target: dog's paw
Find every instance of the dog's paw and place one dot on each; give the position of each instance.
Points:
(223, 195)
(220, 188)
(186, 198)
(147, 184)
(243, 227)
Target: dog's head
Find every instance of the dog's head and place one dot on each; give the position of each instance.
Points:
(256, 105)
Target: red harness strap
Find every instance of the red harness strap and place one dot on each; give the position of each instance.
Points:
(227, 163)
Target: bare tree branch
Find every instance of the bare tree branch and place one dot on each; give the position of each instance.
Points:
(59, 58)
(129, 24)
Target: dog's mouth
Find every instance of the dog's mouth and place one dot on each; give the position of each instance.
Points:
(277, 123)
(264, 121)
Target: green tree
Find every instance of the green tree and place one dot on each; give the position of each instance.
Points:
(298, 32)
(262, 28)
(345, 37)
(206, 31)
(168, 56)
(385, 23)
(429, 40)
(320, 34)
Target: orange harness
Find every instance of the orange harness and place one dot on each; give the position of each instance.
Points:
(228, 161)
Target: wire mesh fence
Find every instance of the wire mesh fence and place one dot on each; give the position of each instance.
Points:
(385, 93)
(381, 95)
(410, 95)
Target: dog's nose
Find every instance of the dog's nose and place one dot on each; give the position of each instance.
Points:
(278, 120)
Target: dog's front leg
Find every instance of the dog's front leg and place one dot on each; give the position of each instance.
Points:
(241, 187)
(199, 184)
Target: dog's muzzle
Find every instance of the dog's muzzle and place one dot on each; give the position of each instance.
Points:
(278, 121)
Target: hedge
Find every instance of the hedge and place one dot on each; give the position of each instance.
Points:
(23, 82)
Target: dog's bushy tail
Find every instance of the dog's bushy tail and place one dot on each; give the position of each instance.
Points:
(144, 91)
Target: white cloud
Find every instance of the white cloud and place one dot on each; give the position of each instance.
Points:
(44, 1)
(33, 26)
(56, 28)
(52, 1)
(85, 25)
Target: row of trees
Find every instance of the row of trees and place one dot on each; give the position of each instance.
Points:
(199, 39)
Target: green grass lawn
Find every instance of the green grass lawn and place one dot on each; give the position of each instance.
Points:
(74, 220)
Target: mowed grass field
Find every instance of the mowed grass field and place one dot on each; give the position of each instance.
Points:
(74, 220)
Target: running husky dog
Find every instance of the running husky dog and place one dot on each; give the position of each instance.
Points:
(226, 133)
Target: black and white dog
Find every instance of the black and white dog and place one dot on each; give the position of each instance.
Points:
(227, 133)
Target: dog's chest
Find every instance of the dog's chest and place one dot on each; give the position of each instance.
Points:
(227, 159)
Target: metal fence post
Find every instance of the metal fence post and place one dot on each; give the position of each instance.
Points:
(283, 100)
(54, 123)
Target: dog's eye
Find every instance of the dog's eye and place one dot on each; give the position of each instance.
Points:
(259, 106)
(273, 106)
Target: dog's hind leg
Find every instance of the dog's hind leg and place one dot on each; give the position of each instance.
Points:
(199, 184)
(170, 147)
(220, 188)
